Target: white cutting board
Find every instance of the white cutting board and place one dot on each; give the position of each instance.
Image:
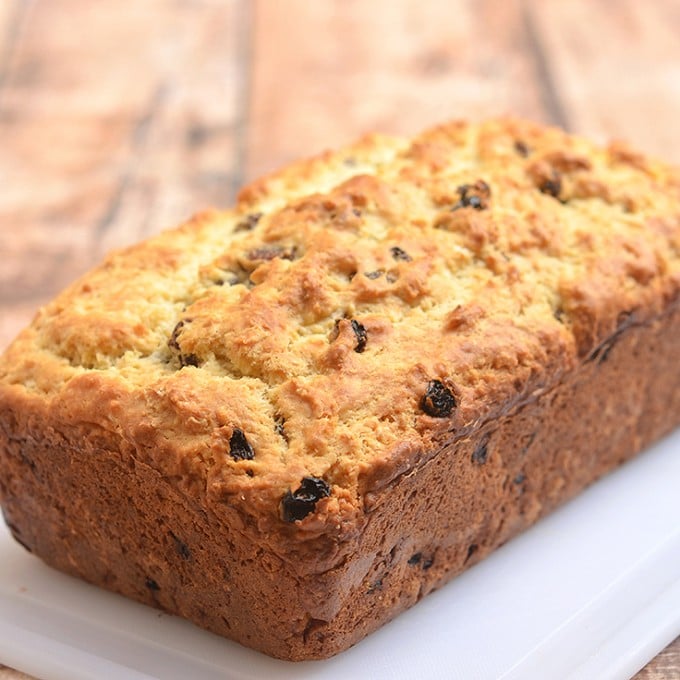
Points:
(593, 591)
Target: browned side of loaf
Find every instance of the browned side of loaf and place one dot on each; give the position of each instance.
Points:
(83, 505)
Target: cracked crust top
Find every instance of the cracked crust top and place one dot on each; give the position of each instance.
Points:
(290, 356)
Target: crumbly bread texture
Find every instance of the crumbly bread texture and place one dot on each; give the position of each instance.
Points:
(289, 421)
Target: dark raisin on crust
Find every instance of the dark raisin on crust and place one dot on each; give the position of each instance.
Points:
(415, 559)
(173, 343)
(361, 335)
(173, 339)
(475, 196)
(181, 547)
(299, 503)
(481, 452)
(522, 148)
(399, 254)
(437, 401)
(528, 442)
(377, 585)
(271, 252)
(375, 274)
(552, 186)
(239, 448)
(471, 551)
(188, 360)
(249, 222)
(428, 563)
(520, 478)
(151, 584)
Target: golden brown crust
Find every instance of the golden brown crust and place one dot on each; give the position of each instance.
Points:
(353, 315)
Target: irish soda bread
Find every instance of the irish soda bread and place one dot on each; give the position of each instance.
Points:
(290, 421)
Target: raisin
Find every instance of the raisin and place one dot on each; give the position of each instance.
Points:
(520, 478)
(471, 551)
(361, 334)
(314, 631)
(522, 148)
(392, 277)
(415, 559)
(27, 460)
(173, 343)
(399, 254)
(375, 586)
(181, 547)
(299, 503)
(475, 196)
(375, 274)
(552, 186)
(239, 448)
(437, 400)
(272, 252)
(173, 340)
(188, 360)
(248, 223)
(428, 563)
(151, 584)
(481, 452)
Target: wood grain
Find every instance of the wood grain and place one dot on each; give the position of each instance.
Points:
(665, 666)
(116, 120)
(326, 72)
(618, 68)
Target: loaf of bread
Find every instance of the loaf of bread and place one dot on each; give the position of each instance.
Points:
(290, 421)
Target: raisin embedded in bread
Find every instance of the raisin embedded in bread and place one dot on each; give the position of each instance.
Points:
(289, 421)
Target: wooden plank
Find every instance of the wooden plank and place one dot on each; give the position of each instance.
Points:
(116, 119)
(326, 72)
(13, 16)
(617, 69)
(665, 666)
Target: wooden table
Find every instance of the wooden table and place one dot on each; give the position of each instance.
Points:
(119, 118)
